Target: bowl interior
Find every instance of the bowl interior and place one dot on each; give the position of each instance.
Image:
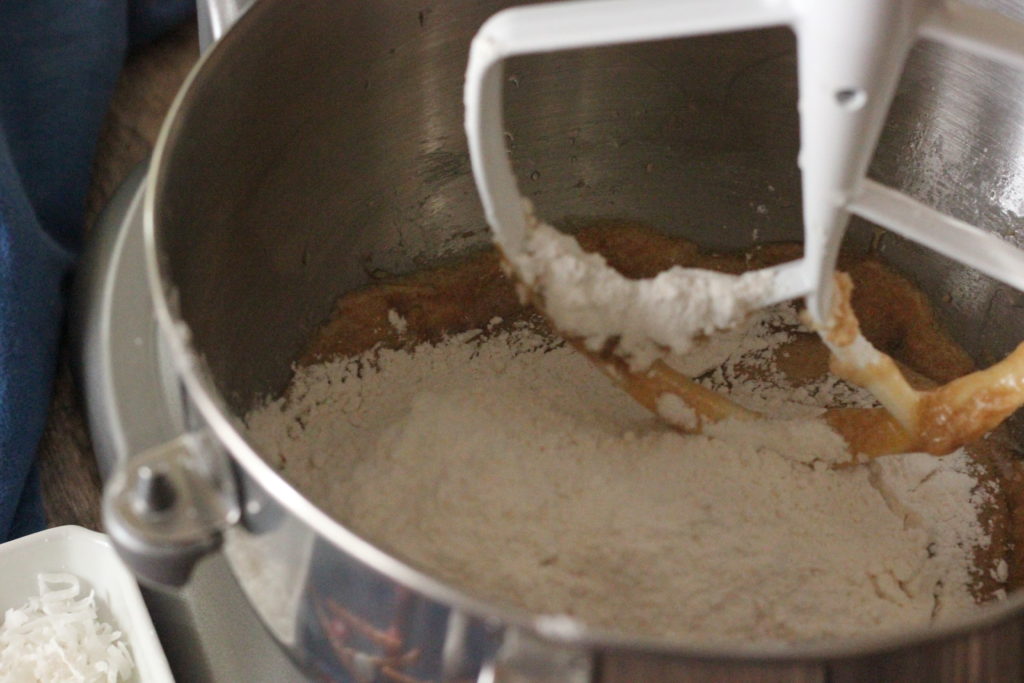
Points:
(295, 171)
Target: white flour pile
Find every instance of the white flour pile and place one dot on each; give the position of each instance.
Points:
(505, 463)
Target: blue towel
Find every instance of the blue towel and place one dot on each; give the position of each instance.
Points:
(59, 61)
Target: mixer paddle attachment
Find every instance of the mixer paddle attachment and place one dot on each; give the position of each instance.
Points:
(936, 421)
(850, 57)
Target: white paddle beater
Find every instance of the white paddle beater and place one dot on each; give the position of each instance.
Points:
(851, 54)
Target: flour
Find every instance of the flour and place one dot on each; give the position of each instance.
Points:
(750, 375)
(503, 462)
(397, 322)
(589, 299)
(675, 411)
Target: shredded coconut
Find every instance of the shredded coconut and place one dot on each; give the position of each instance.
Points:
(506, 464)
(59, 637)
(587, 298)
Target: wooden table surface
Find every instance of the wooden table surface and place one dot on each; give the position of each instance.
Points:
(68, 472)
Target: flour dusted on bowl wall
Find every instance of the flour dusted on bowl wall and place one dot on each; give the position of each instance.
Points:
(501, 461)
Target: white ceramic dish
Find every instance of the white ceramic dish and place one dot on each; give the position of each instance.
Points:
(89, 556)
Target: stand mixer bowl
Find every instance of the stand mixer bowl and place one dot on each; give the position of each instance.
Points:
(319, 144)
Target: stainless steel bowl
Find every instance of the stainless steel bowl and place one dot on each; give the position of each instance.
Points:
(321, 142)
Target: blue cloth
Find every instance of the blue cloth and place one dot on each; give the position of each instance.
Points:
(59, 61)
